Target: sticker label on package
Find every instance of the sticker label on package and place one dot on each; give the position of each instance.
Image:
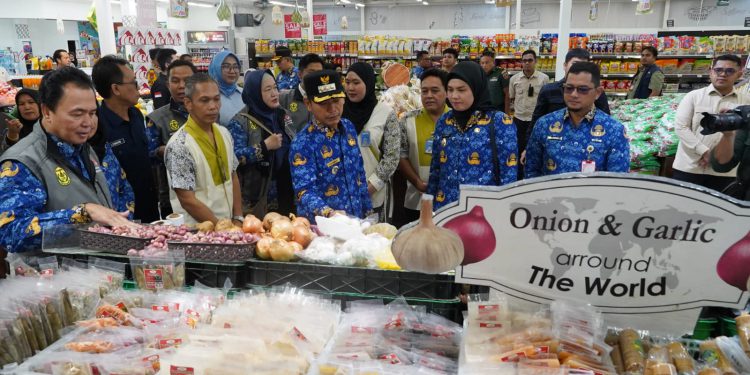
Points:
(121, 305)
(490, 325)
(154, 278)
(168, 343)
(358, 329)
(179, 370)
(296, 333)
(391, 358)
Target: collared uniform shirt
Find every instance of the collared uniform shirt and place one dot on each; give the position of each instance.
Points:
(518, 90)
(551, 99)
(23, 198)
(556, 146)
(417, 71)
(288, 80)
(129, 143)
(328, 173)
(465, 156)
(688, 127)
(160, 94)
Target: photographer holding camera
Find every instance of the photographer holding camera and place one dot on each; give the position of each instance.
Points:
(699, 135)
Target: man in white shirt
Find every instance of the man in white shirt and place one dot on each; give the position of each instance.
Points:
(523, 91)
(200, 161)
(693, 160)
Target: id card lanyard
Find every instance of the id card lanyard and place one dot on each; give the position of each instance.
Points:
(588, 166)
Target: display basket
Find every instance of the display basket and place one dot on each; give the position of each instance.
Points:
(214, 252)
(111, 243)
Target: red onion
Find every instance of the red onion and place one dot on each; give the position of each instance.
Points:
(476, 234)
(734, 265)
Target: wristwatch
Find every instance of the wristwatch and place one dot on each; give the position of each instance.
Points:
(238, 218)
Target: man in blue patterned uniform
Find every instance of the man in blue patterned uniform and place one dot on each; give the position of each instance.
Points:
(52, 176)
(473, 144)
(288, 77)
(579, 138)
(327, 168)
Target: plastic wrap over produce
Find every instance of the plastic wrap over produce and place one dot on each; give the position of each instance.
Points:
(650, 128)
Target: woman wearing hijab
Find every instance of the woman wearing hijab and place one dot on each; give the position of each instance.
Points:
(225, 70)
(378, 130)
(262, 134)
(473, 144)
(27, 113)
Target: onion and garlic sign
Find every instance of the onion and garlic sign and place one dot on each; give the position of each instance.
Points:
(624, 243)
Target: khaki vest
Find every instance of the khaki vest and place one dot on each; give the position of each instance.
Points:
(371, 155)
(167, 120)
(218, 198)
(64, 187)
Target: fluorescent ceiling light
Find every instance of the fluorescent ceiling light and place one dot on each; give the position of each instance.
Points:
(425, 3)
(359, 4)
(203, 5)
(346, 1)
(489, 1)
(279, 3)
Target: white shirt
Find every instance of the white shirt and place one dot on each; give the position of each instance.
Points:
(518, 89)
(693, 144)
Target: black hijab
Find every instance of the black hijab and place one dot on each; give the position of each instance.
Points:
(471, 73)
(28, 125)
(359, 113)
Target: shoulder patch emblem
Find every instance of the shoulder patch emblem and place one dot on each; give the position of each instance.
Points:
(62, 177)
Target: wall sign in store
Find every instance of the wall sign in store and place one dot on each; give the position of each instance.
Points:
(291, 29)
(627, 244)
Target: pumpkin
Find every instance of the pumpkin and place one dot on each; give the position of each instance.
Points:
(396, 74)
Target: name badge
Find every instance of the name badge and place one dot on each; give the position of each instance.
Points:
(553, 138)
(428, 147)
(118, 142)
(364, 139)
(588, 166)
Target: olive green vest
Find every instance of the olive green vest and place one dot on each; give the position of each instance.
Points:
(65, 187)
(167, 120)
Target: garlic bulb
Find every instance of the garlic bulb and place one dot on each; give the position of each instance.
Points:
(425, 247)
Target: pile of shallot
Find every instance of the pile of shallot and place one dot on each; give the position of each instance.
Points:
(160, 234)
(281, 237)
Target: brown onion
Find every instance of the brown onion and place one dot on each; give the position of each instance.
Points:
(269, 219)
(281, 251)
(282, 230)
(302, 235)
(263, 246)
(296, 246)
(252, 224)
(299, 221)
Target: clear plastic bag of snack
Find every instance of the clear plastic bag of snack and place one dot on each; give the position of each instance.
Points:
(486, 308)
(161, 273)
(113, 273)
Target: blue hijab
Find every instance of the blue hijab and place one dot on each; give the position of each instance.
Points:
(214, 70)
(252, 97)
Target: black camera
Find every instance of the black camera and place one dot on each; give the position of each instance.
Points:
(735, 119)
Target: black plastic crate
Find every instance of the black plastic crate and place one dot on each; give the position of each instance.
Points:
(214, 275)
(353, 280)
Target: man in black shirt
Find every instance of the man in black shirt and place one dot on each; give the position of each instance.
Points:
(160, 89)
(125, 130)
(551, 97)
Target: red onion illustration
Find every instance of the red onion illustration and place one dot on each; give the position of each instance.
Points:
(476, 234)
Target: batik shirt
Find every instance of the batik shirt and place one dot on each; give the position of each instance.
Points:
(464, 156)
(23, 198)
(557, 146)
(328, 173)
(288, 80)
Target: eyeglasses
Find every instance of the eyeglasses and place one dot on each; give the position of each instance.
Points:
(583, 90)
(230, 67)
(527, 61)
(134, 83)
(724, 71)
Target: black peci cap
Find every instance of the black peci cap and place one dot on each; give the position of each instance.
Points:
(323, 85)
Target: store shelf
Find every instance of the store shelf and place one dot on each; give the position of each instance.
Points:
(686, 75)
(616, 94)
(615, 56)
(618, 75)
(547, 72)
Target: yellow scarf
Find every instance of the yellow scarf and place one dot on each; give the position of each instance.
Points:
(425, 129)
(215, 151)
